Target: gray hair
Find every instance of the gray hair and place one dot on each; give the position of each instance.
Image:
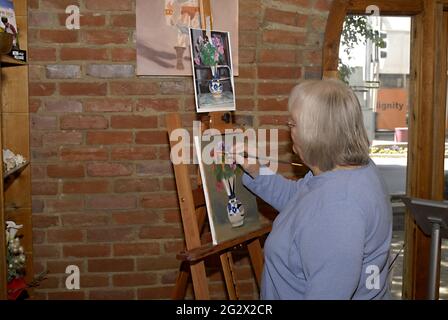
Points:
(330, 129)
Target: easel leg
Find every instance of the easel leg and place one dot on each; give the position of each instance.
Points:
(180, 288)
(200, 283)
(256, 257)
(229, 275)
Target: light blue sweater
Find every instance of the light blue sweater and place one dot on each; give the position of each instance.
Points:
(332, 237)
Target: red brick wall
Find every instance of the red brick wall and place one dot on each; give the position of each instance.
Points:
(104, 196)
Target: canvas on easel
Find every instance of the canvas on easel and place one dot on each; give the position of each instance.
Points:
(232, 209)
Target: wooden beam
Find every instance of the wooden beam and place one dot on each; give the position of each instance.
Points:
(387, 7)
(427, 137)
(333, 31)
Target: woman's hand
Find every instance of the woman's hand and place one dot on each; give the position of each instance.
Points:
(246, 157)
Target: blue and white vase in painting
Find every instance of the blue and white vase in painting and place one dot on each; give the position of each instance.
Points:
(235, 212)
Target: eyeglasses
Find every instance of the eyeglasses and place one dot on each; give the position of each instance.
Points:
(291, 124)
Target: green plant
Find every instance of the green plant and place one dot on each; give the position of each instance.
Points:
(356, 31)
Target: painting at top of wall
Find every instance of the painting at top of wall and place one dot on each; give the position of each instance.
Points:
(163, 44)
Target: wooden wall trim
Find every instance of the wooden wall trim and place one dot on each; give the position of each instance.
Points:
(387, 7)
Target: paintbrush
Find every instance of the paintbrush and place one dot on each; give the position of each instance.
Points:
(246, 155)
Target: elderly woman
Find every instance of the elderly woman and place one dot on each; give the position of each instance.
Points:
(332, 236)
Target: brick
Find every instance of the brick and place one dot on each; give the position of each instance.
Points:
(136, 185)
(39, 19)
(284, 37)
(312, 57)
(134, 153)
(44, 188)
(134, 218)
(172, 87)
(302, 3)
(81, 154)
(102, 169)
(155, 292)
(64, 205)
(87, 250)
(133, 122)
(59, 266)
(83, 122)
(247, 39)
(94, 281)
(247, 55)
(134, 88)
(110, 294)
(155, 168)
(109, 137)
(38, 172)
(268, 72)
(275, 88)
(249, 24)
(58, 4)
(278, 55)
(152, 137)
(43, 122)
(65, 171)
(104, 37)
(82, 54)
(123, 20)
(249, 7)
(61, 138)
(111, 71)
(41, 89)
(34, 105)
(47, 154)
(247, 72)
(111, 202)
(108, 105)
(63, 106)
(317, 24)
(86, 187)
(86, 20)
(123, 54)
(110, 234)
(160, 263)
(84, 220)
(313, 72)
(33, 4)
(58, 36)
(36, 73)
(61, 71)
(45, 221)
(245, 88)
(110, 265)
(174, 246)
(286, 17)
(46, 251)
(273, 120)
(280, 104)
(42, 54)
(161, 200)
(36, 141)
(66, 295)
(83, 89)
(160, 105)
(66, 235)
(323, 5)
(134, 279)
(109, 5)
(160, 232)
(136, 249)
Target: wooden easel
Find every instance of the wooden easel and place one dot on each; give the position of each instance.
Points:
(193, 212)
